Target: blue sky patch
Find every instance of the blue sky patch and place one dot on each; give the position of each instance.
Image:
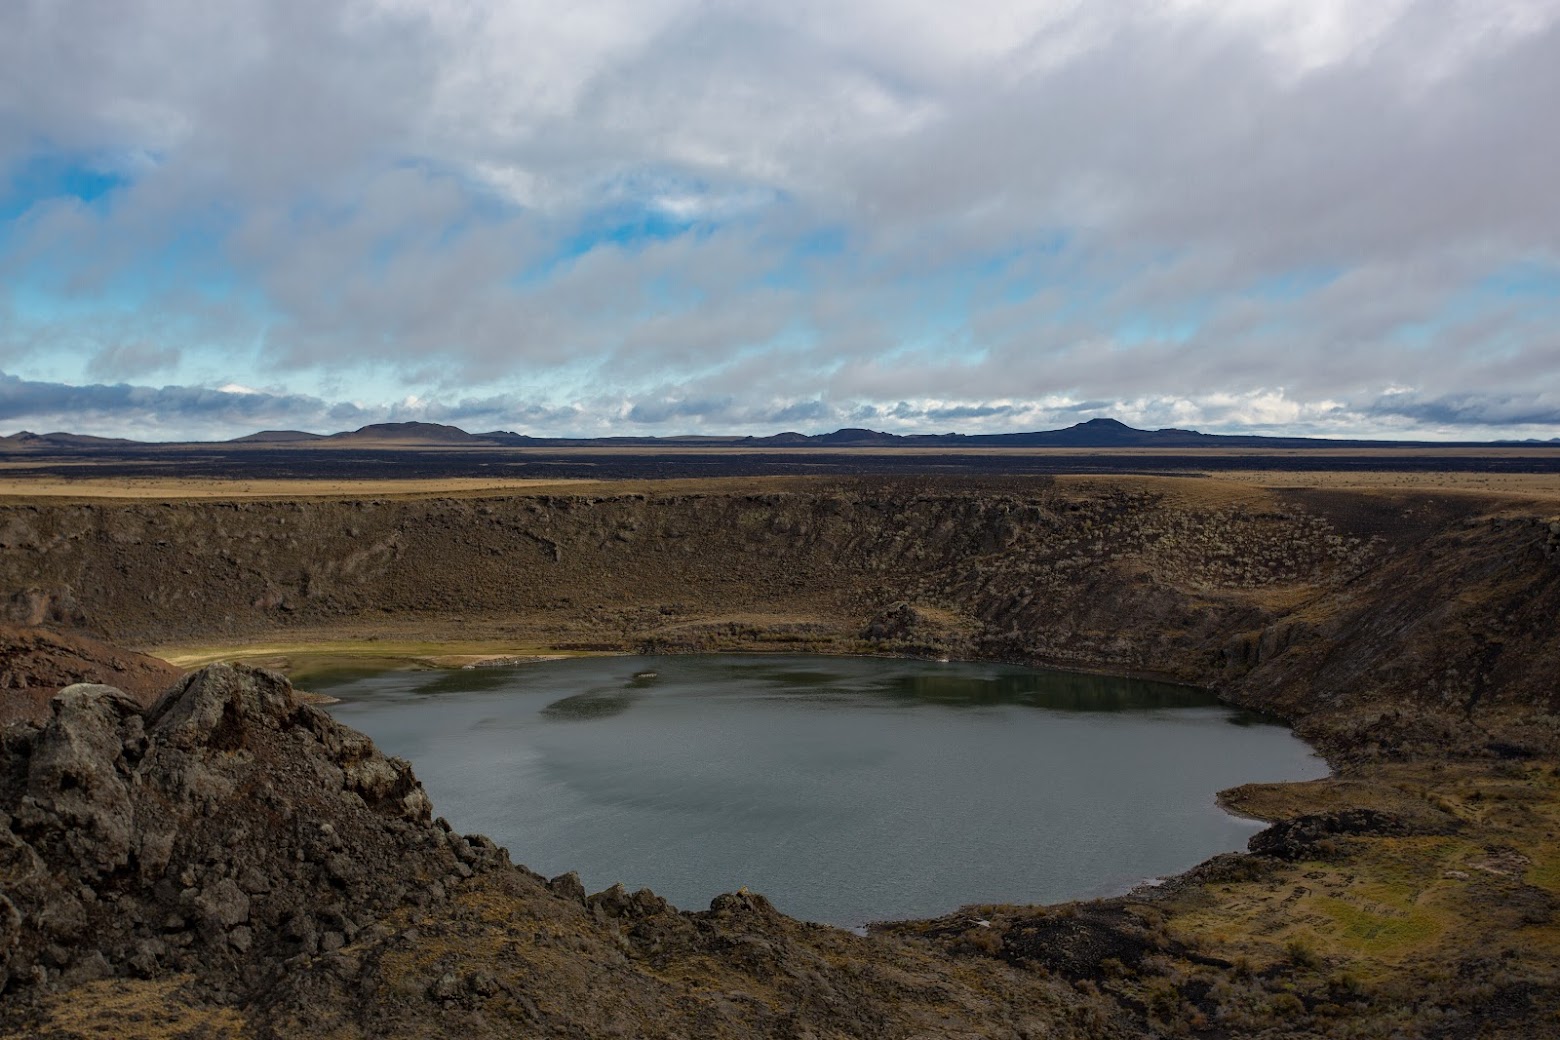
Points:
(58, 176)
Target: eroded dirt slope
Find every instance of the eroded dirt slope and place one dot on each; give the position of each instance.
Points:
(37, 662)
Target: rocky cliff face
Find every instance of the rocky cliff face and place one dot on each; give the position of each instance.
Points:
(1383, 623)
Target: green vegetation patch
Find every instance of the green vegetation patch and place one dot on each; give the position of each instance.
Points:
(1379, 929)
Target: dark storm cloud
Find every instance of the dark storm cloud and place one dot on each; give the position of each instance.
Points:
(672, 409)
(23, 400)
(144, 412)
(1488, 410)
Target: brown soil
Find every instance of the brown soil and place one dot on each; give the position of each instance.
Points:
(87, 487)
(36, 663)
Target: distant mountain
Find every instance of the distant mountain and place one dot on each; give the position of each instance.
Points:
(277, 437)
(27, 439)
(409, 434)
(855, 438)
(1095, 433)
(1111, 433)
(1105, 433)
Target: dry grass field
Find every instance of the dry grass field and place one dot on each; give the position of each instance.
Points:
(14, 486)
(1532, 486)
(18, 484)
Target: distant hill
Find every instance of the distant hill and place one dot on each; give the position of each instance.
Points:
(409, 433)
(854, 438)
(27, 439)
(277, 437)
(1095, 433)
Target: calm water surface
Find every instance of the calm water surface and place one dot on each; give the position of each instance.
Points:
(845, 789)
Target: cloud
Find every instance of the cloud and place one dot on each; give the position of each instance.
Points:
(130, 404)
(1471, 409)
(193, 413)
(718, 212)
(132, 359)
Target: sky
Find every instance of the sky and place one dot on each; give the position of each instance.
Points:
(660, 217)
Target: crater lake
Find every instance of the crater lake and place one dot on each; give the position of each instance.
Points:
(846, 790)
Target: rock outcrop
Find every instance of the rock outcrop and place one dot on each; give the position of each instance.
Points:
(1311, 836)
(905, 628)
(224, 831)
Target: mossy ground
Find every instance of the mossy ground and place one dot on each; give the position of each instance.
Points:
(1371, 935)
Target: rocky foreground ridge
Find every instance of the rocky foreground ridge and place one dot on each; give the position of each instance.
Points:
(232, 862)
(227, 820)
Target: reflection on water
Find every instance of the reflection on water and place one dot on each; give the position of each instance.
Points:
(602, 701)
(593, 705)
(846, 789)
(1060, 691)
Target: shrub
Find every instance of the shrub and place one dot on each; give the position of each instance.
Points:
(1286, 1005)
(1300, 953)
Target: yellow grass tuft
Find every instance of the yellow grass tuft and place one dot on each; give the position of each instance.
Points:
(123, 1009)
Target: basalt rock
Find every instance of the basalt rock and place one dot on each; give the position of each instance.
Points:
(224, 830)
(1311, 837)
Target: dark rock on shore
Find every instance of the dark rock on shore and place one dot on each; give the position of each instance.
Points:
(1311, 837)
(907, 629)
